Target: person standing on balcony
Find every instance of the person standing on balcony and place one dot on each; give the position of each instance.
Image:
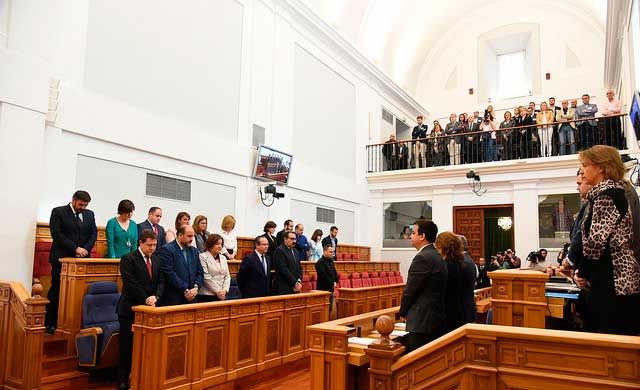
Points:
(508, 135)
(74, 232)
(566, 132)
(488, 128)
(610, 108)
(589, 134)
(418, 147)
(390, 153)
(543, 120)
(453, 128)
(439, 145)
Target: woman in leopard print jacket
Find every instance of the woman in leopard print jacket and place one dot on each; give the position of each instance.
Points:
(609, 273)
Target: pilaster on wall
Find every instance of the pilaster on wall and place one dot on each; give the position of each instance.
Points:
(525, 216)
(442, 207)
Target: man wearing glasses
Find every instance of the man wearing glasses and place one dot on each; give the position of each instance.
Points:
(288, 268)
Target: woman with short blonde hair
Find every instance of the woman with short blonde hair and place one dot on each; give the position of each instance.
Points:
(230, 239)
(609, 273)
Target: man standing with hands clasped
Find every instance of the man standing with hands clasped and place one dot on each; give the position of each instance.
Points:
(182, 269)
(288, 269)
(142, 284)
(423, 299)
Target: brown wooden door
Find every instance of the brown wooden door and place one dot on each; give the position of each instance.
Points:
(470, 223)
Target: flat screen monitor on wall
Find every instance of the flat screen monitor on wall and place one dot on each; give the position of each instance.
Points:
(272, 165)
(634, 114)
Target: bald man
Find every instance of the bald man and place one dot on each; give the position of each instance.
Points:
(182, 269)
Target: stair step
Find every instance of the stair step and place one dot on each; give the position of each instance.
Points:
(58, 364)
(66, 380)
(54, 345)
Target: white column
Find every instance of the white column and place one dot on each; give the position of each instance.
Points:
(21, 137)
(443, 208)
(525, 217)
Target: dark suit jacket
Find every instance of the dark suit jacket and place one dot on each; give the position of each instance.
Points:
(136, 284)
(460, 298)
(327, 275)
(146, 225)
(423, 298)
(68, 235)
(178, 276)
(327, 241)
(279, 238)
(288, 269)
(252, 281)
(272, 244)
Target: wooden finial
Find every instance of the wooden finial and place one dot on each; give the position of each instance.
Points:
(36, 289)
(384, 326)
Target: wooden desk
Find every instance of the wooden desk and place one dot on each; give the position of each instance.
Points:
(334, 362)
(354, 301)
(207, 344)
(492, 357)
(518, 298)
(76, 276)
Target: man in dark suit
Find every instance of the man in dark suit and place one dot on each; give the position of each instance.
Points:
(332, 239)
(418, 152)
(152, 223)
(423, 299)
(142, 284)
(182, 269)
(254, 275)
(327, 275)
(74, 232)
(288, 227)
(288, 269)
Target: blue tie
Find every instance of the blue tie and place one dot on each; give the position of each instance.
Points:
(184, 253)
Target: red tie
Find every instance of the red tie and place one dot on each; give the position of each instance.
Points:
(155, 229)
(148, 261)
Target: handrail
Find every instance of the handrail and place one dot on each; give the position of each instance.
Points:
(483, 356)
(21, 335)
(525, 127)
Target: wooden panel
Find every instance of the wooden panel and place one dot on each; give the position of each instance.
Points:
(499, 357)
(470, 223)
(518, 299)
(204, 345)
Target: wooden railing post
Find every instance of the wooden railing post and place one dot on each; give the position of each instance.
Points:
(21, 336)
(382, 354)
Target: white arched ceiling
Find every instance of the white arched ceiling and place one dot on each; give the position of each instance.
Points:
(400, 35)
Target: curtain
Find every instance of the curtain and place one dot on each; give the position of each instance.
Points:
(495, 238)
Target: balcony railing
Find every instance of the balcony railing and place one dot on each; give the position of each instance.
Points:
(509, 143)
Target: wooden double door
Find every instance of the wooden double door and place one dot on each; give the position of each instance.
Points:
(469, 221)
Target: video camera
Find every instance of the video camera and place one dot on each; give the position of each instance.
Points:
(535, 256)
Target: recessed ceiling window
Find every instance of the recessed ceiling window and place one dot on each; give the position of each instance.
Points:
(513, 80)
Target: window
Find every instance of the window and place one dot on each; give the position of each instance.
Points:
(325, 215)
(168, 187)
(513, 80)
(398, 221)
(556, 213)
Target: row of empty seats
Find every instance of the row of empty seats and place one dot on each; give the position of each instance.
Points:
(369, 279)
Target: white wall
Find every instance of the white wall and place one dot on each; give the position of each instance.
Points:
(175, 88)
(560, 26)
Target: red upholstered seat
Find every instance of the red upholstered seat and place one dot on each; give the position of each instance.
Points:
(314, 280)
(246, 253)
(355, 256)
(339, 256)
(346, 256)
(41, 264)
(375, 279)
(343, 281)
(356, 282)
(399, 279)
(384, 279)
(366, 281)
(306, 283)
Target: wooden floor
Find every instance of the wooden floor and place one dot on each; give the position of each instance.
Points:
(297, 380)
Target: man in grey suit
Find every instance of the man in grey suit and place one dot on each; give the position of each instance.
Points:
(423, 299)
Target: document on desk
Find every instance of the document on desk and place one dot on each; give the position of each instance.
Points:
(395, 333)
(400, 325)
(361, 340)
